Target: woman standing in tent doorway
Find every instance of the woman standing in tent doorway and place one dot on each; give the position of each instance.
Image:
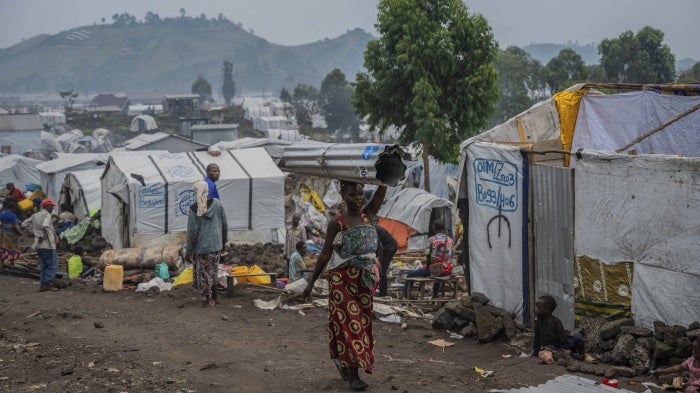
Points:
(206, 239)
(350, 255)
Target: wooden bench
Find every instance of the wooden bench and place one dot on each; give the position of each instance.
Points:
(422, 281)
(230, 277)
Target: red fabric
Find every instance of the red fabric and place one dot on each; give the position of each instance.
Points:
(17, 194)
(350, 319)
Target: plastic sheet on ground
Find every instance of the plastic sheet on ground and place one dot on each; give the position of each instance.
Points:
(77, 232)
(156, 282)
(185, 277)
(268, 304)
(296, 287)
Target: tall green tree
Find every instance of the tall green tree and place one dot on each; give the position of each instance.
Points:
(637, 58)
(430, 73)
(334, 102)
(564, 70)
(520, 81)
(203, 88)
(229, 87)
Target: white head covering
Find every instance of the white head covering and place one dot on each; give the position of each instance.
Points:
(201, 191)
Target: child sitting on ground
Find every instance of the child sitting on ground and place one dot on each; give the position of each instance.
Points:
(550, 334)
(692, 364)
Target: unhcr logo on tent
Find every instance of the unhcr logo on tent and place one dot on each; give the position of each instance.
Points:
(496, 184)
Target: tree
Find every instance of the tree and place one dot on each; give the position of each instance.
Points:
(690, 75)
(229, 87)
(431, 73)
(203, 88)
(520, 81)
(334, 102)
(637, 58)
(285, 96)
(564, 70)
(305, 101)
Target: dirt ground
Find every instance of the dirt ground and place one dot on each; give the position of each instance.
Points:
(82, 339)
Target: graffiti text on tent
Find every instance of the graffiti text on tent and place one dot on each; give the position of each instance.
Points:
(496, 184)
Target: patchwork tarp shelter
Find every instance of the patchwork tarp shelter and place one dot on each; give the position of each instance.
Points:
(620, 238)
(407, 216)
(146, 200)
(82, 192)
(19, 170)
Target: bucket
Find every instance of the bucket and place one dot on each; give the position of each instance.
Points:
(113, 278)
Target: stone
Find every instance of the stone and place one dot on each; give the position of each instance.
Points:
(673, 333)
(636, 331)
(461, 311)
(599, 369)
(98, 325)
(495, 311)
(640, 359)
(606, 345)
(694, 326)
(524, 342)
(488, 326)
(649, 343)
(684, 348)
(587, 368)
(692, 334)
(573, 367)
(475, 299)
(443, 320)
(610, 372)
(590, 328)
(468, 331)
(509, 326)
(658, 328)
(460, 322)
(662, 351)
(612, 328)
(626, 372)
(624, 346)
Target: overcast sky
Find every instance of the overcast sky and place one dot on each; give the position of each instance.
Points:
(292, 22)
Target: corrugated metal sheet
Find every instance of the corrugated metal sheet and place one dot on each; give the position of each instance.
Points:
(567, 384)
(553, 216)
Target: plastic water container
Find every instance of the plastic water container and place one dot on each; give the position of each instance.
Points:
(113, 278)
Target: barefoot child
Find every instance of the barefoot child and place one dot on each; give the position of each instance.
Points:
(550, 334)
(692, 365)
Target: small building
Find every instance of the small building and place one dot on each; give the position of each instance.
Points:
(265, 123)
(213, 133)
(180, 103)
(163, 141)
(108, 103)
(20, 133)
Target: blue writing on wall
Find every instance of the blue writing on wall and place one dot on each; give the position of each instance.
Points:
(496, 184)
(369, 150)
(151, 195)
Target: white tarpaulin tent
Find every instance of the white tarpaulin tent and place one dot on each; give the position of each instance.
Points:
(53, 172)
(82, 192)
(19, 170)
(146, 200)
(497, 185)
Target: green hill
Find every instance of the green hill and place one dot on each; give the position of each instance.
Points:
(167, 57)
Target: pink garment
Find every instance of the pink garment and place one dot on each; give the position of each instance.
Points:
(546, 357)
(694, 372)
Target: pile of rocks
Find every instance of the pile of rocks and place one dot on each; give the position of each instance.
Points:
(472, 316)
(616, 348)
(268, 256)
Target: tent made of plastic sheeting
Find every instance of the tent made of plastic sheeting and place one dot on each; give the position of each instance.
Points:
(146, 200)
(614, 240)
(284, 135)
(142, 123)
(273, 147)
(19, 170)
(653, 202)
(53, 172)
(414, 208)
(82, 192)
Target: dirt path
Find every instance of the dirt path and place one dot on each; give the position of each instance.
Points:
(84, 340)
